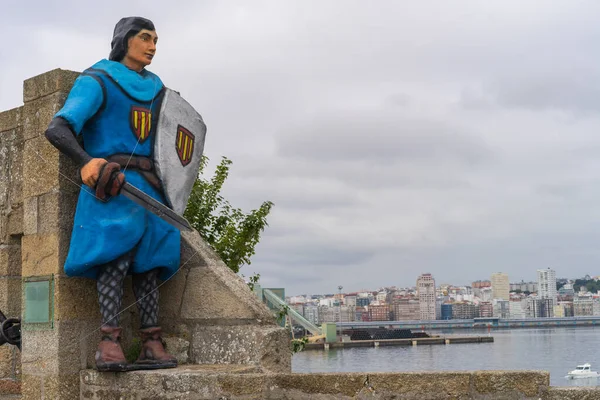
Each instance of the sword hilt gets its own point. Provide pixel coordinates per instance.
(110, 181)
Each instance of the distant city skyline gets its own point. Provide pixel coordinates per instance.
(534, 279)
(426, 301)
(526, 276)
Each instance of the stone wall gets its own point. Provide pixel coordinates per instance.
(214, 308)
(208, 383)
(11, 231)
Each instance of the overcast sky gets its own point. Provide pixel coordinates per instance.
(459, 138)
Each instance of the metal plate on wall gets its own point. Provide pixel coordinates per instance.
(39, 302)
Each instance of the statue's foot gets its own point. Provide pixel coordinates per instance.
(153, 354)
(109, 356)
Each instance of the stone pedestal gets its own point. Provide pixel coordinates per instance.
(207, 311)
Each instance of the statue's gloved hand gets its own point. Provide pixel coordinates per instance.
(110, 181)
(90, 172)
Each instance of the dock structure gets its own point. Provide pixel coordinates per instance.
(400, 342)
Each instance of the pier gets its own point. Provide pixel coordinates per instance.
(400, 342)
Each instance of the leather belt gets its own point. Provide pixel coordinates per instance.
(144, 165)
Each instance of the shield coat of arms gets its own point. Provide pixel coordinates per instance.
(178, 147)
(185, 145)
(141, 122)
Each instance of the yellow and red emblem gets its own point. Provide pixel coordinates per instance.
(141, 122)
(185, 145)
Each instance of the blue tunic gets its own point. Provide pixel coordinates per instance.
(115, 108)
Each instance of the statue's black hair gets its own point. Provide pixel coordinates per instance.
(126, 28)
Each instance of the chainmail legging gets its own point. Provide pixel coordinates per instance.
(110, 292)
(145, 288)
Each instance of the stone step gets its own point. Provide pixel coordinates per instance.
(207, 381)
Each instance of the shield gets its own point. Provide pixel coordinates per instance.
(141, 122)
(178, 148)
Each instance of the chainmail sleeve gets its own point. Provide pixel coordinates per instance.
(60, 134)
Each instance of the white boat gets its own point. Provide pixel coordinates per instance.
(583, 371)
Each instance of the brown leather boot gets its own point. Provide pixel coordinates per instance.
(153, 354)
(109, 356)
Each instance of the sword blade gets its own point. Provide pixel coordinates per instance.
(155, 207)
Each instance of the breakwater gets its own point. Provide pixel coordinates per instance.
(400, 342)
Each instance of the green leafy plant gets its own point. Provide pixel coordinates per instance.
(282, 314)
(299, 344)
(231, 232)
(253, 280)
(132, 352)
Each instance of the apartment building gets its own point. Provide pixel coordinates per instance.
(427, 297)
(547, 284)
(500, 286)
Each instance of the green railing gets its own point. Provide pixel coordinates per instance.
(306, 324)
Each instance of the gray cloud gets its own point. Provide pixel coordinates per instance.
(381, 138)
(572, 91)
(294, 255)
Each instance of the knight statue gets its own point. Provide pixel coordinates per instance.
(134, 139)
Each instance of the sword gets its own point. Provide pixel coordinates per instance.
(112, 183)
(155, 207)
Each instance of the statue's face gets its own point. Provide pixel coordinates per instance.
(141, 48)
